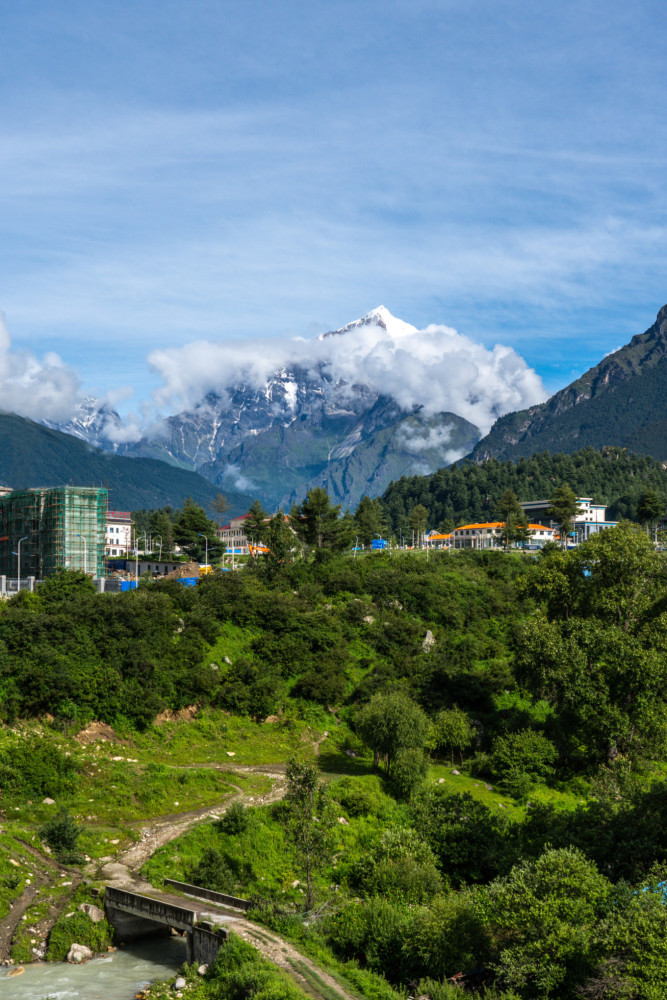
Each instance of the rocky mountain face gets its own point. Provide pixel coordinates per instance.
(299, 429)
(621, 401)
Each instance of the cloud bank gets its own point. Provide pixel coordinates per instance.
(436, 368)
(42, 389)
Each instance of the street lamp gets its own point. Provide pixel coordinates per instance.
(85, 553)
(136, 556)
(160, 537)
(206, 540)
(18, 568)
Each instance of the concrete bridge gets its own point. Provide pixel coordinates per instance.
(134, 915)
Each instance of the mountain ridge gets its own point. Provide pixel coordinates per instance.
(616, 402)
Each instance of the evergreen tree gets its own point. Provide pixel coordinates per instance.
(220, 505)
(316, 520)
(510, 513)
(417, 521)
(254, 526)
(563, 509)
(191, 525)
(650, 510)
(369, 520)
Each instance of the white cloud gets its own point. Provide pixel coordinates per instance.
(436, 368)
(40, 389)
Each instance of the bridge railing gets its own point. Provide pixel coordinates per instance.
(151, 909)
(215, 897)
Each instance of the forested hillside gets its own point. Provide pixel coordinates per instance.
(468, 492)
(474, 751)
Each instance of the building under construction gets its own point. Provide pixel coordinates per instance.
(59, 528)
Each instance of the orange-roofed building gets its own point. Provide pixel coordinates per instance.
(485, 535)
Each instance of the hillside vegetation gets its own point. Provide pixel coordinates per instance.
(475, 750)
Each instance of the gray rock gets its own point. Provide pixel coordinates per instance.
(79, 953)
(228, 661)
(489, 788)
(441, 781)
(454, 771)
(343, 821)
(202, 970)
(48, 802)
(93, 912)
(180, 983)
(429, 641)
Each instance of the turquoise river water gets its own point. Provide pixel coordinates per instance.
(117, 976)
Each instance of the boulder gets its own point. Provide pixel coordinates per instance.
(429, 640)
(48, 802)
(454, 771)
(202, 970)
(180, 983)
(93, 912)
(79, 953)
(345, 822)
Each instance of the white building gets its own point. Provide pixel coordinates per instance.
(485, 535)
(118, 540)
(233, 536)
(591, 517)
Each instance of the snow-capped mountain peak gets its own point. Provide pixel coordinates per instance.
(381, 317)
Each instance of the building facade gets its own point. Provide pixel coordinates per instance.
(118, 541)
(485, 535)
(51, 529)
(590, 519)
(233, 536)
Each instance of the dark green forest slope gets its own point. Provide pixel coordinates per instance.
(33, 455)
(620, 401)
(468, 491)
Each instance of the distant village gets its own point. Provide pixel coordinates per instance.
(72, 527)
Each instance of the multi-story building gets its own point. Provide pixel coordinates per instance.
(233, 536)
(485, 535)
(118, 540)
(51, 529)
(590, 518)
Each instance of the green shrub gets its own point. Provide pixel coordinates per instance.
(519, 758)
(399, 866)
(409, 770)
(235, 820)
(212, 871)
(78, 928)
(34, 767)
(62, 835)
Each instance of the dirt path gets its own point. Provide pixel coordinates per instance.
(286, 957)
(123, 870)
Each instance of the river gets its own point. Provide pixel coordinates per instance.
(117, 976)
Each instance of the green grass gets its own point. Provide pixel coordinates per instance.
(495, 799)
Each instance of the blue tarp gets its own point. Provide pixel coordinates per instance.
(379, 543)
(189, 581)
(128, 584)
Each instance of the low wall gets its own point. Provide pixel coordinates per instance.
(206, 943)
(147, 908)
(216, 897)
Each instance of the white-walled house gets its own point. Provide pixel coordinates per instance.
(118, 541)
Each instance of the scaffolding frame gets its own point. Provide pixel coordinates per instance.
(60, 527)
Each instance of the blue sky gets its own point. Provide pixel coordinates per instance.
(172, 172)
